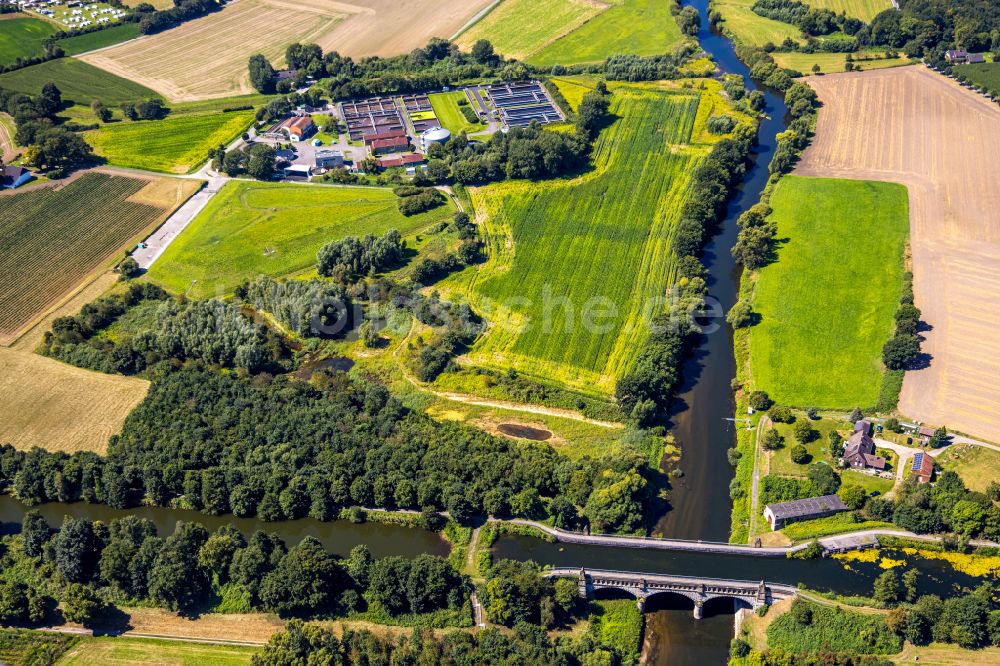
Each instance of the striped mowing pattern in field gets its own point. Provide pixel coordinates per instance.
(600, 242)
(50, 240)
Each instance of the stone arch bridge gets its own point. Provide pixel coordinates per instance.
(699, 590)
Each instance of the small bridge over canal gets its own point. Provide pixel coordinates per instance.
(698, 590)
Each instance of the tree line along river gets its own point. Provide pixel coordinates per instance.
(700, 505)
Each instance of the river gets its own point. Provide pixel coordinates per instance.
(700, 499)
(700, 504)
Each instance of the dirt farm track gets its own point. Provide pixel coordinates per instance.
(207, 58)
(914, 126)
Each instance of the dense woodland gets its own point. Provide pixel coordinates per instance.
(278, 448)
(89, 566)
(927, 28)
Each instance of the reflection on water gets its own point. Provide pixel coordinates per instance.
(674, 637)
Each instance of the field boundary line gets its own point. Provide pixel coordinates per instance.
(496, 404)
(483, 13)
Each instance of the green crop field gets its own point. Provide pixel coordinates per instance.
(252, 228)
(106, 651)
(986, 75)
(522, 28)
(572, 246)
(450, 115)
(574, 88)
(22, 38)
(750, 28)
(862, 9)
(100, 39)
(50, 240)
(79, 82)
(831, 63)
(827, 303)
(177, 144)
(639, 27)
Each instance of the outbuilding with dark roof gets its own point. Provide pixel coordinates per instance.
(780, 514)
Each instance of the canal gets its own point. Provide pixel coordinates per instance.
(700, 505)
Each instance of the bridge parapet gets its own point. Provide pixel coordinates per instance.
(698, 590)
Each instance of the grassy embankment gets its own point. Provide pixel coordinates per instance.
(826, 304)
(555, 243)
(22, 38)
(253, 228)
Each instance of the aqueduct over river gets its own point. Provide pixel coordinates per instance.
(698, 590)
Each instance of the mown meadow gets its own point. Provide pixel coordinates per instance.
(522, 28)
(250, 228)
(22, 38)
(176, 144)
(826, 304)
(587, 248)
(750, 28)
(100, 39)
(78, 82)
(637, 27)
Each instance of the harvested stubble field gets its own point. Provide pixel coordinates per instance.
(559, 247)
(59, 407)
(275, 229)
(913, 126)
(52, 239)
(207, 57)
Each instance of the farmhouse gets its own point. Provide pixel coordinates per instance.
(297, 127)
(780, 514)
(922, 468)
(962, 57)
(860, 450)
(14, 176)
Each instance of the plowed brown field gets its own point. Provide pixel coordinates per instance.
(207, 58)
(913, 126)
